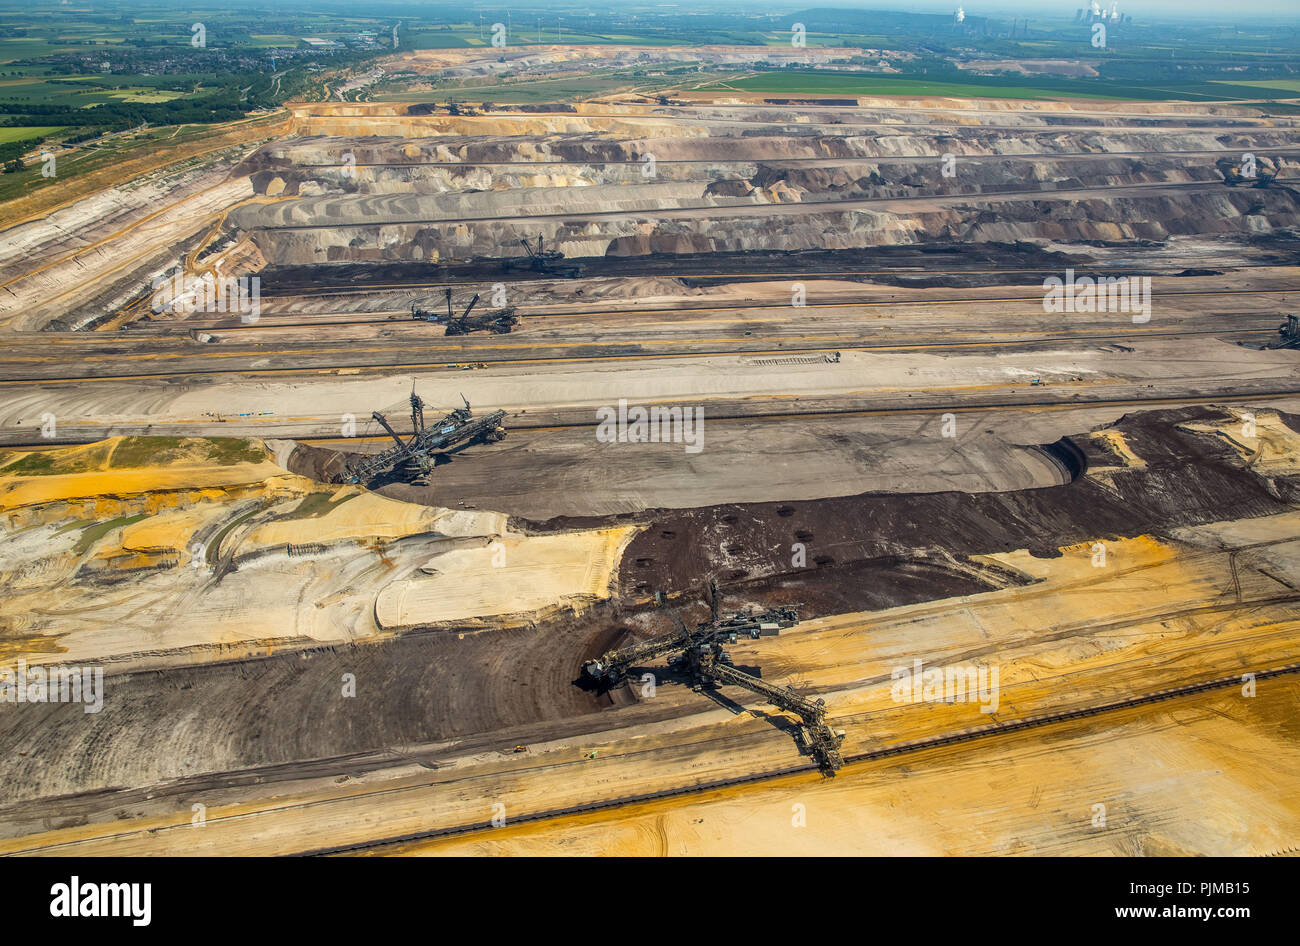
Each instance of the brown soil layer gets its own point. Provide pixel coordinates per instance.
(1024, 263)
(1188, 479)
(877, 261)
(497, 687)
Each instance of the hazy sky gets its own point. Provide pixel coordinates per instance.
(1223, 10)
(1217, 10)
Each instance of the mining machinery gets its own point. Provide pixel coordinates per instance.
(425, 315)
(710, 667)
(1266, 171)
(499, 322)
(411, 459)
(699, 655)
(1288, 333)
(547, 262)
(609, 669)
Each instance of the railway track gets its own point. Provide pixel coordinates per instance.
(901, 749)
(133, 309)
(1266, 322)
(472, 353)
(826, 162)
(386, 320)
(752, 209)
(858, 412)
(534, 426)
(352, 288)
(917, 745)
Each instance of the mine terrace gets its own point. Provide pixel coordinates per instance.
(364, 562)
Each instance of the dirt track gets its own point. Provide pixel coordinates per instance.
(230, 612)
(490, 689)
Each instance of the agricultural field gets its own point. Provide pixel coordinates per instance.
(1256, 85)
(797, 82)
(588, 86)
(22, 132)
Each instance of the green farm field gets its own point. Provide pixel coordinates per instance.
(1039, 87)
(27, 131)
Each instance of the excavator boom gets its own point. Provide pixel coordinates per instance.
(611, 667)
(458, 427)
(821, 741)
(383, 421)
(700, 655)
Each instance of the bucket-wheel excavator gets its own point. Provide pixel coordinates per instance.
(699, 655)
(499, 322)
(414, 458)
(547, 262)
(1288, 333)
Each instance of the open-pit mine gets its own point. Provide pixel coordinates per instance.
(621, 475)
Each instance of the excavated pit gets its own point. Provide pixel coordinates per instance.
(703, 182)
(838, 515)
(281, 715)
(879, 264)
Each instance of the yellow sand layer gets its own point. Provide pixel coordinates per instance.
(1212, 774)
(21, 491)
(1267, 444)
(226, 550)
(363, 516)
(1119, 445)
(169, 530)
(506, 575)
(114, 467)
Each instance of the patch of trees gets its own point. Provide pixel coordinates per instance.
(11, 153)
(221, 106)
